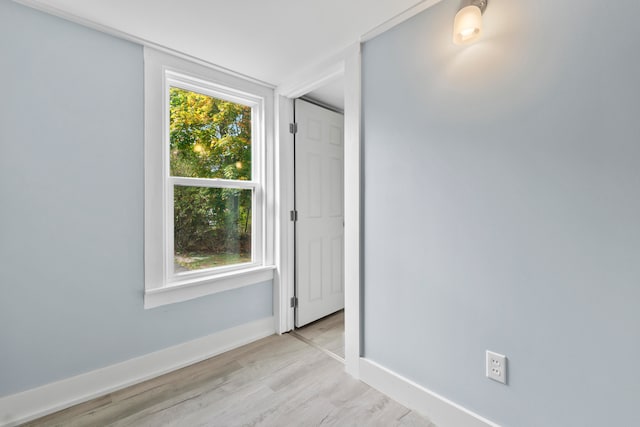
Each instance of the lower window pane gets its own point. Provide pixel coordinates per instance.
(212, 227)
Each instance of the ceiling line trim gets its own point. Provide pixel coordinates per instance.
(135, 39)
(398, 19)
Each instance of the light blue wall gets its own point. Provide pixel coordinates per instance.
(502, 209)
(71, 216)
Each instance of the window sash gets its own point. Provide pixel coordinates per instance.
(190, 83)
(256, 249)
(214, 183)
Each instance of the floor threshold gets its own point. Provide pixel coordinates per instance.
(316, 346)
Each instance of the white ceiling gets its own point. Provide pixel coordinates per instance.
(270, 40)
(331, 94)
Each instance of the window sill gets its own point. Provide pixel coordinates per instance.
(196, 288)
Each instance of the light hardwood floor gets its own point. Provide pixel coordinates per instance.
(326, 333)
(277, 381)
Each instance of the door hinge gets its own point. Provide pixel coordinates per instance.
(293, 128)
(294, 302)
(293, 215)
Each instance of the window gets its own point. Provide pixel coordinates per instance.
(206, 181)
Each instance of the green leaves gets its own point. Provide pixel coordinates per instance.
(210, 138)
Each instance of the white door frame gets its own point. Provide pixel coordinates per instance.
(346, 63)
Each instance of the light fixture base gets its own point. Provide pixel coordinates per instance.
(480, 4)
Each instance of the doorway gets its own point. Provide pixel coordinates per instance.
(319, 218)
(344, 67)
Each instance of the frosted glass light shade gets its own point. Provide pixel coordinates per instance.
(467, 26)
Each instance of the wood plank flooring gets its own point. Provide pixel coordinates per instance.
(276, 381)
(326, 333)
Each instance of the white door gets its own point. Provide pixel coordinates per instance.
(319, 189)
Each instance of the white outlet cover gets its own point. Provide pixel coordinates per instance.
(497, 367)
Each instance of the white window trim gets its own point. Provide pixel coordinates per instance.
(162, 286)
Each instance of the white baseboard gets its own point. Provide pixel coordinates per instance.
(31, 404)
(441, 411)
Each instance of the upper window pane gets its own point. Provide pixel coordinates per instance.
(209, 137)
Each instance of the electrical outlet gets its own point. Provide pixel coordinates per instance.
(497, 367)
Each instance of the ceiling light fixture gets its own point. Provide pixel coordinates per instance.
(467, 26)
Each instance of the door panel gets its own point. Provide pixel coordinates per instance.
(314, 275)
(314, 179)
(337, 265)
(319, 157)
(336, 184)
